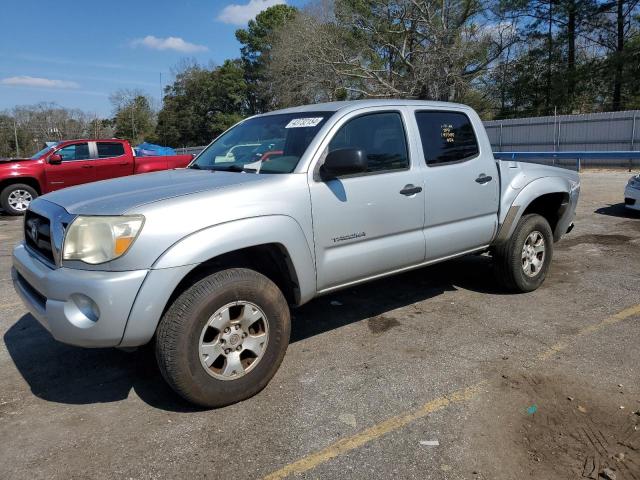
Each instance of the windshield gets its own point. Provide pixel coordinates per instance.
(42, 152)
(268, 144)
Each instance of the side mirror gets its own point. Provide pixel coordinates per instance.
(55, 159)
(344, 161)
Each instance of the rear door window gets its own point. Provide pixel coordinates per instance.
(382, 138)
(110, 149)
(77, 151)
(447, 137)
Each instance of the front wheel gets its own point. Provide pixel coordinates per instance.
(522, 262)
(15, 198)
(223, 339)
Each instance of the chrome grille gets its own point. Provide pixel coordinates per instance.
(37, 234)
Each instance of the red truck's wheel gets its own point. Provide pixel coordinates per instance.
(15, 198)
(223, 339)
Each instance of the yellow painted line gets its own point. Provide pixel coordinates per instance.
(612, 320)
(350, 443)
(394, 423)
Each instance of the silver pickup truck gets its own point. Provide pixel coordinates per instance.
(283, 207)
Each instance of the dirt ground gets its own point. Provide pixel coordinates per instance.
(433, 374)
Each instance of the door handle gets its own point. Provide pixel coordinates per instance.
(409, 190)
(124, 163)
(482, 178)
(87, 166)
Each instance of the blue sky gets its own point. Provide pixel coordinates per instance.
(77, 53)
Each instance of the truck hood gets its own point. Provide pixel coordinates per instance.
(117, 196)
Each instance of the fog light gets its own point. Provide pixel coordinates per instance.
(81, 310)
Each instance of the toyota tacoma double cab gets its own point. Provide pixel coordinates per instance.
(73, 162)
(206, 261)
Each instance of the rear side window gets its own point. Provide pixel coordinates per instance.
(107, 149)
(446, 137)
(380, 135)
(77, 151)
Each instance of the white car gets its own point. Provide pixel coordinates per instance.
(632, 193)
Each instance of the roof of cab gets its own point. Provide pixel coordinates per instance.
(356, 104)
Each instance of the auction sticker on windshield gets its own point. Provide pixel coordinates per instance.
(304, 122)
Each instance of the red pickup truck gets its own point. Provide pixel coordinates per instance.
(73, 162)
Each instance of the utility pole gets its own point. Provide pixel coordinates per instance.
(15, 135)
(133, 124)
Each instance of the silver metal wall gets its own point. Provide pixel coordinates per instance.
(594, 131)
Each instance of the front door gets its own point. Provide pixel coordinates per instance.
(461, 184)
(370, 223)
(76, 167)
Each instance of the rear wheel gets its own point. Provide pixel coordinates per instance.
(224, 338)
(15, 198)
(523, 261)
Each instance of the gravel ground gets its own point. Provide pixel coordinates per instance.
(510, 386)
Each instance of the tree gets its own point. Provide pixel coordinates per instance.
(134, 118)
(25, 129)
(430, 49)
(619, 22)
(257, 41)
(201, 103)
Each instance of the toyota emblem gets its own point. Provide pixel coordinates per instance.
(33, 232)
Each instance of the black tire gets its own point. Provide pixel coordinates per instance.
(178, 337)
(508, 260)
(8, 190)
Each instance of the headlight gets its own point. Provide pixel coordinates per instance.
(100, 239)
(634, 182)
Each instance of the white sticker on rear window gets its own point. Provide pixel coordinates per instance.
(304, 122)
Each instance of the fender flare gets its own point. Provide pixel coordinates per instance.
(187, 253)
(532, 191)
(27, 179)
(217, 240)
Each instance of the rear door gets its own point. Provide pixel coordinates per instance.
(461, 184)
(76, 167)
(112, 160)
(370, 223)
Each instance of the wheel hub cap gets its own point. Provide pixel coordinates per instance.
(19, 200)
(233, 340)
(533, 254)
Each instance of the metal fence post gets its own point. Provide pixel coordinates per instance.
(558, 140)
(578, 165)
(633, 139)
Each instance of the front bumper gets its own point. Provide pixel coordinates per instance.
(632, 198)
(87, 308)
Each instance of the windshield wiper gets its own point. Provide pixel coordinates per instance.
(226, 168)
(234, 168)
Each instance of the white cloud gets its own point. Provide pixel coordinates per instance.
(170, 43)
(237, 14)
(26, 81)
